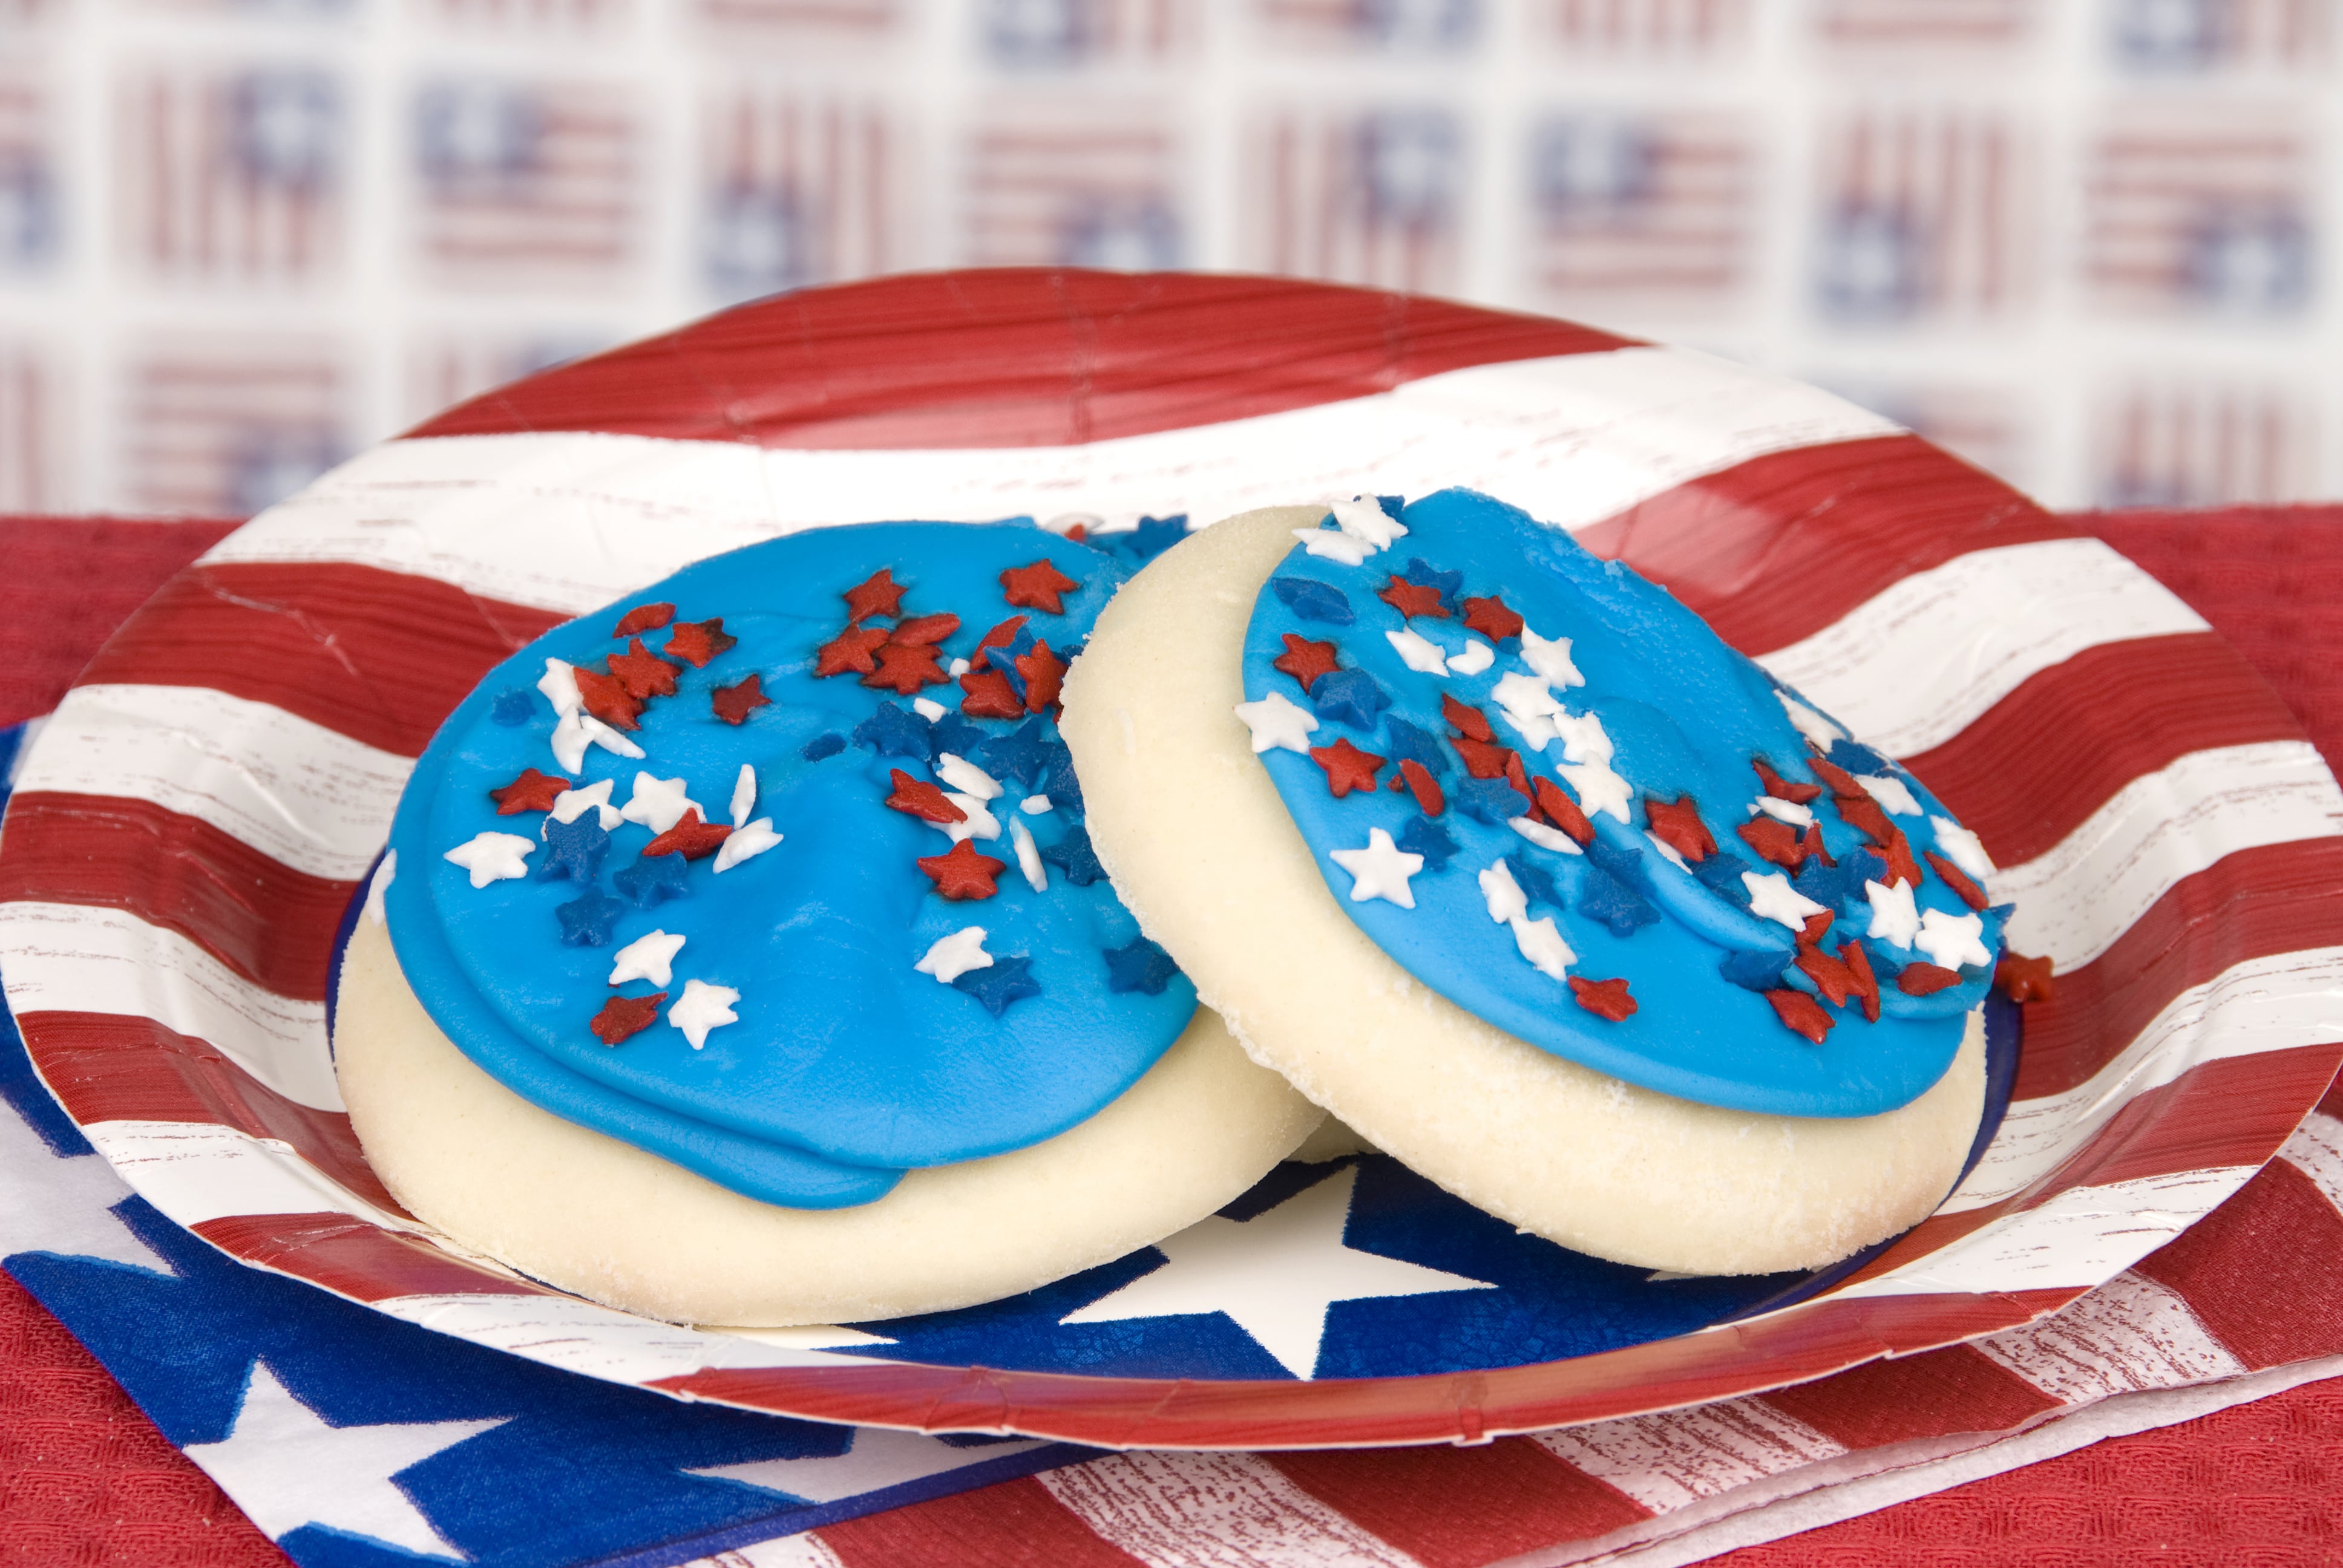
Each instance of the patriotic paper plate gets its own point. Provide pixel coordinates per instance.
(189, 833)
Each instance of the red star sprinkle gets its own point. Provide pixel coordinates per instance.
(1866, 984)
(1305, 661)
(1677, 825)
(1466, 720)
(1413, 599)
(643, 617)
(607, 699)
(1781, 789)
(850, 650)
(2022, 979)
(903, 668)
(643, 674)
(922, 799)
(1347, 768)
(1841, 781)
(1491, 619)
(1604, 998)
(1810, 843)
(1421, 784)
(1481, 760)
(623, 1017)
(1774, 841)
(1037, 586)
(987, 694)
(1077, 533)
(879, 594)
(1863, 813)
(532, 792)
(1562, 810)
(1971, 894)
(1831, 977)
(1801, 1012)
(1043, 673)
(1817, 926)
(699, 640)
(1000, 636)
(925, 629)
(1925, 980)
(963, 874)
(1901, 867)
(733, 704)
(690, 837)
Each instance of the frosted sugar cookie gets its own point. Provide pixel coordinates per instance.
(1498, 853)
(741, 956)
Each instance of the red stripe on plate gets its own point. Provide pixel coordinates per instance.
(266, 921)
(1462, 1508)
(109, 1067)
(1010, 1524)
(1933, 1395)
(2017, 780)
(1773, 550)
(2234, 1111)
(1012, 358)
(352, 1258)
(380, 656)
(2222, 1264)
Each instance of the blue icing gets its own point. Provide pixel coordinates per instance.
(515, 706)
(1685, 716)
(1142, 543)
(845, 1065)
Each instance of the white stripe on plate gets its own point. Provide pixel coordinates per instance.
(195, 1171)
(2317, 1150)
(1192, 1510)
(2274, 1003)
(2131, 1333)
(805, 1549)
(298, 792)
(1916, 664)
(2075, 899)
(1677, 1458)
(570, 520)
(69, 958)
(595, 1341)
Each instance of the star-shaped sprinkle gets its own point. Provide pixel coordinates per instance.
(2021, 979)
(948, 958)
(577, 731)
(987, 694)
(1830, 886)
(573, 849)
(1139, 965)
(1963, 848)
(963, 873)
(1368, 520)
(1771, 898)
(1501, 893)
(1428, 840)
(572, 804)
(1544, 837)
(1611, 903)
(967, 778)
(1351, 697)
(925, 629)
(1466, 720)
(1483, 760)
(1151, 538)
(698, 641)
(854, 650)
(1816, 928)
(877, 595)
(1020, 755)
(1925, 980)
(1955, 942)
(1429, 800)
(690, 837)
(1898, 852)
(1029, 856)
(1006, 635)
(1074, 858)
(1842, 782)
(644, 674)
(1550, 660)
(1775, 841)
(1347, 768)
(1305, 661)
(1606, 999)
(1584, 739)
(532, 792)
(1277, 724)
(1891, 792)
(1421, 574)
(744, 794)
(624, 1017)
(1800, 1013)
(1412, 598)
(829, 743)
(1857, 961)
(918, 797)
(999, 983)
(1760, 970)
(1831, 976)
(891, 732)
(607, 699)
(646, 882)
(1334, 545)
(1820, 732)
(701, 1008)
(493, 857)
(733, 704)
(585, 920)
(1540, 942)
(1409, 743)
(1310, 599)
(1598, 789)
(1667, 851)
(1477, 657)
(1720, 874)
(1043, 673)
(1059, 782)
(977, 821)
(1418, 652)
(1677, 823)
(1895, 919)
(1491, 619)
(513, 709)
(1491, 801)
(747, 841)
(1780, 787)
(1381, 870)
(1038, 584)
(1036, 806)
(643, 617)
(650, 958)
(903, 668)
(1563, 812)
(560, 684)
(1788, 812)
(953, 731)
(657, 804)
(1970, 893)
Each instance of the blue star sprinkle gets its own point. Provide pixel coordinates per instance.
(1490, 800)
(1830, 886)
(892, 732)
(586, 922)
(1310, 599)
(1756, 971)
(1420, 573)
(1073, 858)
(1151, 538)
(998, 983)
(956, 734)
(1721, 875)
(1022, 755)
(1350, 696)
(829, 743)
(1139, 966)
(1608, 901)
(1058, 780)
(573, 849)
(514, 708)
(1407, 743)
(1536, 883)
(1424, 837)
(1859, 759)
(651, 879)
(1392, 505)
(1004, 660)
(1627, 865)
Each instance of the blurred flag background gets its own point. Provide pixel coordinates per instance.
(2083, 243)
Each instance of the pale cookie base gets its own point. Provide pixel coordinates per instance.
(1186, 821)
(583, 1211)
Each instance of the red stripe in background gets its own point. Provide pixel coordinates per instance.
(1773, 550)
(380, 656)
(1011, 1524)
(264, 920)
(1013, 356)
(2224, 1265)
(1461, 1507)
(1936, 1395)
(352, 1258)
(2236, 1111)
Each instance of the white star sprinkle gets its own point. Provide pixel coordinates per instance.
(1890, 792)
(1417, 651)
(1029, 857)
(572, 804)
(1550, 659)
(1817, 729)
(967, 778)
(1962, 848)
(1667, 851)
(493, 857)
(650, 958)
(578, 730)
(1953, 941)
(702, 1007)
(1535, 729)
(1334, 545)
(929, 708)
(1583, 739)
(959, 667)
(1544, 837)
(745, 843)
(379, 886)
(1037, 805)
(953, 956)
(1363, 519)
(1539, 943)
(744, 795)
(1894, 917)
(977, 821)
(1782, 810)
(560, 684)
(1524, 694)
(1505, 896)
(1380, 871)
(1599, 789)
(1771, 898)
(1276, 722)
(1477, 657)
(659, 804)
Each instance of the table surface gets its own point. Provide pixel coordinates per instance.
(86, 1479)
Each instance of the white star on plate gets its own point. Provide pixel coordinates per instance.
(1334, 545)
(1771, 898)
(1891, 793)
(1820, 731)
(560, 684)
(878, 1458)
(744, 795)
(572, 804)
(1551, 659)
(967, 778)
(948, 958)
(650, 958)
(1544, 837)
(1962, 848)
(1275, 1275)
(493, 857)
(1782, 810)
(580, 729)
(1953, 941)
(703, 1007)
(1599, 789)
(929, 708)
(1380, 871)
(1503, 896)
(1277, 722)
(1894, 917)
(1029, 856)
(379, 886)
(977, 821)
(1583, 739)
(1477, 657)
(1363, 519)
(286, 1468)
(659, 804)
(745, 843)
(1542, 944)
(1417, 651)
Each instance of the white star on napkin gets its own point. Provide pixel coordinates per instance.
(650, 958)
(1277, 722)
(703, 1007)
(493, 857)
(1380, 871)
(659, 804)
